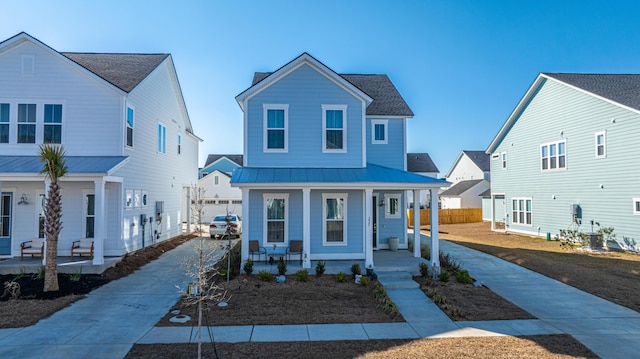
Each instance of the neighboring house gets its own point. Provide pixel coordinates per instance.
(325, 163)
(421, 163)
(470, 176)
(571, 144)
(129, 145)
(219, 196)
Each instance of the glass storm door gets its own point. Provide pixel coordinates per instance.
(5, 223)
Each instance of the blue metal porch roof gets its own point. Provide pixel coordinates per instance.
(373, 174)
(75, 164)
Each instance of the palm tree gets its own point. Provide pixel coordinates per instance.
(54, 168)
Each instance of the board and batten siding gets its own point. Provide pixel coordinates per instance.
(92, 115)
(392, 154)
(304, 90)
(603, 187)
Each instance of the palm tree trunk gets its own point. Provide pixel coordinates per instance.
(53, 225)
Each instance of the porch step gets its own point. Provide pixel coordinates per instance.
(397, 280)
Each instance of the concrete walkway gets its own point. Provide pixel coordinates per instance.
(122, 313)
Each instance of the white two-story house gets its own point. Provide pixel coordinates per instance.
(325, 163)
(130, 147)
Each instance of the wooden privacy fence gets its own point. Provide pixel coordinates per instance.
(448, 216)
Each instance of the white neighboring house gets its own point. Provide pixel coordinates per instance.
(219, 196)
(470, 175)
(130, 146)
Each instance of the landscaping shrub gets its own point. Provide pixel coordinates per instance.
(320, 268)
(364, 280)
(462, 276)
(355, 269)
(236, 262)
(302, 275)
(248, 266)
(282, 267)
(447, 261)
(444, 276)
(424, 269)
(264, 275)
(341, 277)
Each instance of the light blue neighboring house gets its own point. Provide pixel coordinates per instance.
(325, 163)
(220, 162)
(566, 158)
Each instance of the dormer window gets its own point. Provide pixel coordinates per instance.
(334, 128)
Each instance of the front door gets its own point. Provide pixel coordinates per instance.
(375, 222)
(5, 223)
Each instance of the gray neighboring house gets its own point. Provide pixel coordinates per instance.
(565, 157)
(421, 163)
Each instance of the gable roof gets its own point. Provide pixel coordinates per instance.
(238, 159)
(619, 89)
(124, 71)
(479, 158)
(421, 162)
(383, 97)
(460, 187)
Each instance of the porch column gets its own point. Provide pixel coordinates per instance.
(47, 183)
(416, 223)
(245, 231)
(99, 222)
(188, 210)
(368, 230)
(306, 228)
(435, 244)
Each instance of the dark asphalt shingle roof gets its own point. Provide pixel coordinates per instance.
(125, 71)
(387, 101)
(460, 188)
(420, 162)
(486, 193)
(621, 88)
(480, 158)
(214, 157)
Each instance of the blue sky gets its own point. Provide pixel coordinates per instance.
(462, 66)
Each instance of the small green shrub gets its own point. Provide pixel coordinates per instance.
(341, 277)
(248, 266)
(456, 312)
(410, 246)
(302, 275)
(282, 267)
(439, 299)
(264, 275)
(462, 276)
(424, 269)
(320, 268)
(364, 280)
(355, 269)
(444, 276)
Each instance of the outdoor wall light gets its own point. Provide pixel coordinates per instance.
(23, 199)
(613, 120)
(601, 186)
(553, 196)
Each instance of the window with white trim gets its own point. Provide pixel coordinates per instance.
(41, 206)
(52, 124)
(553, 155)
(90, 214)
(130, 119)
(521, 210)
(601, 144)
(379, 132)
(4, 122)
(503, 159)
(276, 119)
(334, 209)
(179, 143)
(275, 217)
(216, 180)
(334, 129)
(636, 206)
(392, 202)
(162, 138)
(27, 123)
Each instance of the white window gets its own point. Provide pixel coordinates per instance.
(41, 206)
(553, 156)
(27, 123)
(162, 138)
(90, 205)
(503, 159)
(128, 199)
(52, 124)
(636, 206)
(275, 217)
(392, 204)
(334, 128)
(4, 123)
(179, 143)
(130, 118)
(379, 132)
(276, 119)
(521, 211)
(334, 209)
(601, 144)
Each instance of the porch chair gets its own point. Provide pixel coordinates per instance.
(82, 246)
(295, 247)
(254, 248)
(33, 247)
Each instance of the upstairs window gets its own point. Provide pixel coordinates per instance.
(601, 144)
(334, 128)
(130, 115)
(503, 159)
(179, 143)
(379, 132)
(275, 130)
(162, 138)
(27, 123)
(636, 206)
(52, 124)
(4, 123)
(553, 156)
